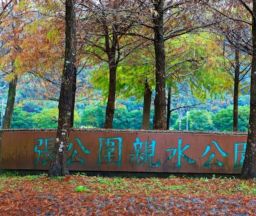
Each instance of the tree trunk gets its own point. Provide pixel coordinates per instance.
(249, 166)
(160, 98)
(110, 109)
(146, 106)
(10, 103)
(236, 91)
(169, 102)
(66, 100)
(73, 103)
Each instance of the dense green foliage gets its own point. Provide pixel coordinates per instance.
(223, 120)
(46, 118)
(21, 118)
(130, 117)
(201, 120)
(195, 59)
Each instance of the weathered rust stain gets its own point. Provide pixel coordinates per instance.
(131, 151)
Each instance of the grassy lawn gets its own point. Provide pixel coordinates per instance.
(83, 195)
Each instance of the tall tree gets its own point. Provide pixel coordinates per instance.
(161, 20)
(107, 23)
(238, 65)
(160, 98)
(46, 29)
(12, 28)
(242, 13)
(146, 106)
(232, 35)
(236, 90)
(249, 167)
(66, 100)
(169, 101)
(192, 58)
(10, 103)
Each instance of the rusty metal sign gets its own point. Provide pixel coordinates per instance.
(130, 151)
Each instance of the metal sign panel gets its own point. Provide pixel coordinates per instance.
(130, 151)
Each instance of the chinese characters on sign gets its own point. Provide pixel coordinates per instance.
(179, 153)
(110, 151)
(44, 155)
(142, 153)
(212, 160)
(41, 149)
(75, 157)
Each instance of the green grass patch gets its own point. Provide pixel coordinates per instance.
(110, 182)
(81, 188)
